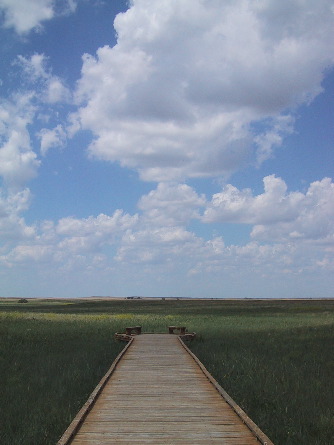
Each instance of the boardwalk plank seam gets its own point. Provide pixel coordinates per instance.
(82, 414)
(241, 413)
(151, 408)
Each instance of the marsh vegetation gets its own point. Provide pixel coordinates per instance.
(275, 358)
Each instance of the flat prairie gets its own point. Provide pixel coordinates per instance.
(273, 357)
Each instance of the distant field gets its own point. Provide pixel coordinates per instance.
(275, 358)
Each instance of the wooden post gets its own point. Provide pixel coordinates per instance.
(181, 330)
(133, 330)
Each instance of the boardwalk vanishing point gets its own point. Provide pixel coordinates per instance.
(157, 392)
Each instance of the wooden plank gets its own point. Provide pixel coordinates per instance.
(252, 426)
(80, 417)
(159, 394)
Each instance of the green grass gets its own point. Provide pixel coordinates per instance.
(281, 378)
(48, 367)
(273, 357)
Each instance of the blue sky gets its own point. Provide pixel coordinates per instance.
(174, 147)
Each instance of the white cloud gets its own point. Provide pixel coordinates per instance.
(273, 206)
(171, 205)
(193, 88)
(71, 242)
(278, 215)
(12, 225)
(312, 220)
(273, 137)
(52, 138)
(56, 91)
(292, 237)
(26, 253)
(92, 234)
(27, 15)
(18, 161)
(102, 224)
(51, 89)
(157, 246)
(178, 94)
(35, 67)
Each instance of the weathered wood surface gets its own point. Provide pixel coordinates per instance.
(177, 329)
(133, 330)
(159, 395)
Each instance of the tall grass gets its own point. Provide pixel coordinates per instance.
(273, 357)
(48, 368)
(281, 378)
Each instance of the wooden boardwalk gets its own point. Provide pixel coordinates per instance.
(158, 394)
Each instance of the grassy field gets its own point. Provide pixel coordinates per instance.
(275, 358)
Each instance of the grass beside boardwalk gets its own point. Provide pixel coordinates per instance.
(274, 358)
(48, 366)
(281, 375)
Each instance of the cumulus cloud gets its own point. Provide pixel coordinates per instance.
(178, 95)
(52, 138)
(51, 89)
(312, 220)
(292, 235)
(27, 253)
(278, 215)
(25, 16)
(28, 15)
(101, 224)
(156, 246)
(18, 161)
(71, 241)
(91, 234)
(12, 225)
(272, 138)
(171, 205)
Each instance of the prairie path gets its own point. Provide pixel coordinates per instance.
(159, 393)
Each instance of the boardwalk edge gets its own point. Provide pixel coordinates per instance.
(80, 417)
(259, 434)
